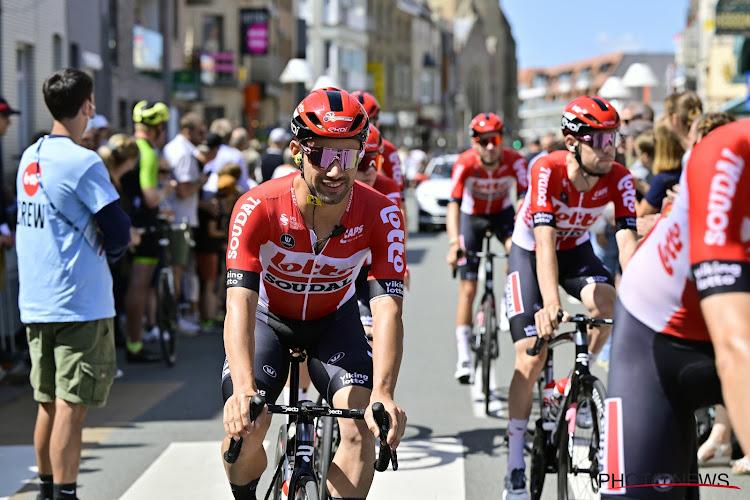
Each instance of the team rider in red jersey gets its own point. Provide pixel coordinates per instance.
(368, 172)
(296, 246)
(480, 197)
(681, 337)
(568, 191)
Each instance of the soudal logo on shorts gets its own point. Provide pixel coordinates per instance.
(287, 240)
(29, 179)
(269, 370)
(336, 358)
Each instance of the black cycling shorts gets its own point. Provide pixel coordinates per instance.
(363, 296)
(338, 354)
(656, 382)
(472, 229)
(149, 246)
(577, 268)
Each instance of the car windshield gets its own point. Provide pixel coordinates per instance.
(442, 170)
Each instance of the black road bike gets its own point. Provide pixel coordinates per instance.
(166, 302)
(569, 444)
(302, 461)
(484, 338)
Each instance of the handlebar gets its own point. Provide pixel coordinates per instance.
(460, 252)
(582, 321)
(385, 454)
(257, 403)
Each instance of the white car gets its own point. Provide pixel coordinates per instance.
(434, 193)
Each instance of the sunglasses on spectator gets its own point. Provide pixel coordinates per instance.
(323, 157)
(370, 160)
(600, 139)
(495, 140)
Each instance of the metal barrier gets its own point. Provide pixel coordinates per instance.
(10, 317)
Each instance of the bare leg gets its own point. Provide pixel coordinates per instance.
(599, 299)
(65, 442)
(351, 472)
(45, 418)
(252, 460)
(135, 299)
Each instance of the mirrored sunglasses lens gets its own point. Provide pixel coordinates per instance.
(347, 158)
(495, 140)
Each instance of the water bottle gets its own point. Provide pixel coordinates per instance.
(548, 419)
(562, 387)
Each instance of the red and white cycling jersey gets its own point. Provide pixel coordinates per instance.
(483, 192)
(553, 201)
(656, 287)
(392, 164)
(388, 187)
(269, 241)
(719, 208)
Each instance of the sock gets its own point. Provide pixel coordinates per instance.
(463, 336)
(133, 347)
(246, 492)
(64, 491)
(45, 486)
(516, 436)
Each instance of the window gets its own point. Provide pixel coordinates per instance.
(26, 93)
(540, 80)
(213, 30)
(605, 67)
(112, 32)
(57, 52)
(75, 56)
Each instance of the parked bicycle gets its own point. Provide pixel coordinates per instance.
(567, 442)
(166, 302)
(484, 338)
(303, 461)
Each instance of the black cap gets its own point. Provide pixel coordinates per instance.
(5, 108)
(213, 140)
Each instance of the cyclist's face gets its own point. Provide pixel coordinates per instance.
(331, 184)
(488, 146)
(597, 159)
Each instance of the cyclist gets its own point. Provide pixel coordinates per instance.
(482, 179)
(368, 172)
(568, 191)
(140, 187)
(682, 336)
(296, 245)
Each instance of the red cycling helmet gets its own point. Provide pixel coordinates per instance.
(486, 122)
(330, 112)
(374, 141)
(368, 101)
(586, 114)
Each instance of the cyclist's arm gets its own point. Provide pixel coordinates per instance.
(627, 241)
(387, 348)
(451, 223)
(239, 338)
(546, 264)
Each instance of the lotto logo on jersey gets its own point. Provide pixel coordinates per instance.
(490, 188)
(390, 215)
(626, 186)
(575, 217)
(302, 266)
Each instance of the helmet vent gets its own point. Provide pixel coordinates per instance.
(593, 118)
(334, 98)
(357, 120)
(601, 104)
(315, 120)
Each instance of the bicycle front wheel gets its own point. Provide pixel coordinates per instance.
(166, 318)
(490, 336)
(324, 446)
(307, 489)
(578, 460)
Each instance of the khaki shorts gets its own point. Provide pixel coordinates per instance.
(180, 243)
(72, 361)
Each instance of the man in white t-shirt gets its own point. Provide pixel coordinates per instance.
(181, 154)
(226, 154)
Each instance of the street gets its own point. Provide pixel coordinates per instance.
(158, 437)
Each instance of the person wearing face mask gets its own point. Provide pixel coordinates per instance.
(568, 192)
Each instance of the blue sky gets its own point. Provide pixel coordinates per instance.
(550, 32)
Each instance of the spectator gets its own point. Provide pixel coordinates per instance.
(226, 154)
(65, 293)
(644, 161)
(278, 140)
(667, 168)
(636, 110)
(239, 140)
(6, 236)
(120, 155)
(687, 107)
(141, 187)
(534, 147)
(628, 135)
(182, 155)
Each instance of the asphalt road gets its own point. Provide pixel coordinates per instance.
(159, 435)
